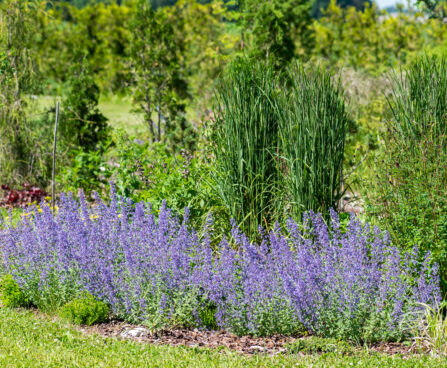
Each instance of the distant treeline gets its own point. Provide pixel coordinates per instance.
(316, 6)
(155, 3)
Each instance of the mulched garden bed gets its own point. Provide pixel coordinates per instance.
(192, 338)
(217, 339)
(220, 340)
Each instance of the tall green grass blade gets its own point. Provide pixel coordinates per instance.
(419, 99)
(312, 140)
(246, 143)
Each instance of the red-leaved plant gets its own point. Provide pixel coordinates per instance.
(22, 197)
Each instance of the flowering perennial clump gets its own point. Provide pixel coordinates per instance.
(155, 270)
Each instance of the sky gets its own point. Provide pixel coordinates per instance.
(385, 3)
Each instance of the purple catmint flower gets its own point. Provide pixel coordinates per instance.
(155, 269)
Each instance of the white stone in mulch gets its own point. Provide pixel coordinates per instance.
(257, 348)
(135, 332)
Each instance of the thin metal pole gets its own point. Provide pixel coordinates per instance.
(53, 184)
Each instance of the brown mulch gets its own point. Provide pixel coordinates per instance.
(195, 338)
(218, 339)
(392, 348)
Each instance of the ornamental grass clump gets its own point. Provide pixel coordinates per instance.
(312, 132)
(409, 195)
(155, 270)
(246, 134)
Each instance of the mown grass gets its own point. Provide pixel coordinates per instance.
(117, 109)
(27, 340)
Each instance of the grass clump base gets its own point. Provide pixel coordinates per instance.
(316, 344)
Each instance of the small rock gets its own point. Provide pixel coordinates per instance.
(257, 347)
(135, 332)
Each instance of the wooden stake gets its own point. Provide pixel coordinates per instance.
(53, 184)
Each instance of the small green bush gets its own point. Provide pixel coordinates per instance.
(315, 345)
(84, 171)
(85, 310)
(151, 173)
(10, 294)
(208, 316)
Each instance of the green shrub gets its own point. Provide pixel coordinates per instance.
(207, 314)
(316, 344)
(85, 310)
(85, 172)
(410, 196)
(10, 294)
(152, 173)
(149, 172)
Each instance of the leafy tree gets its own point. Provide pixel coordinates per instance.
(83, 3)
(434, 8)
(318, 6)
(83, 125)
(369, 40)
(98, 29)
(159, 89)
(160, 3)
(207, 33)
(271, 27)
(18, 77)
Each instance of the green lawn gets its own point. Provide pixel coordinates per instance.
(27, 340)
(117, 109)
(119, 112)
